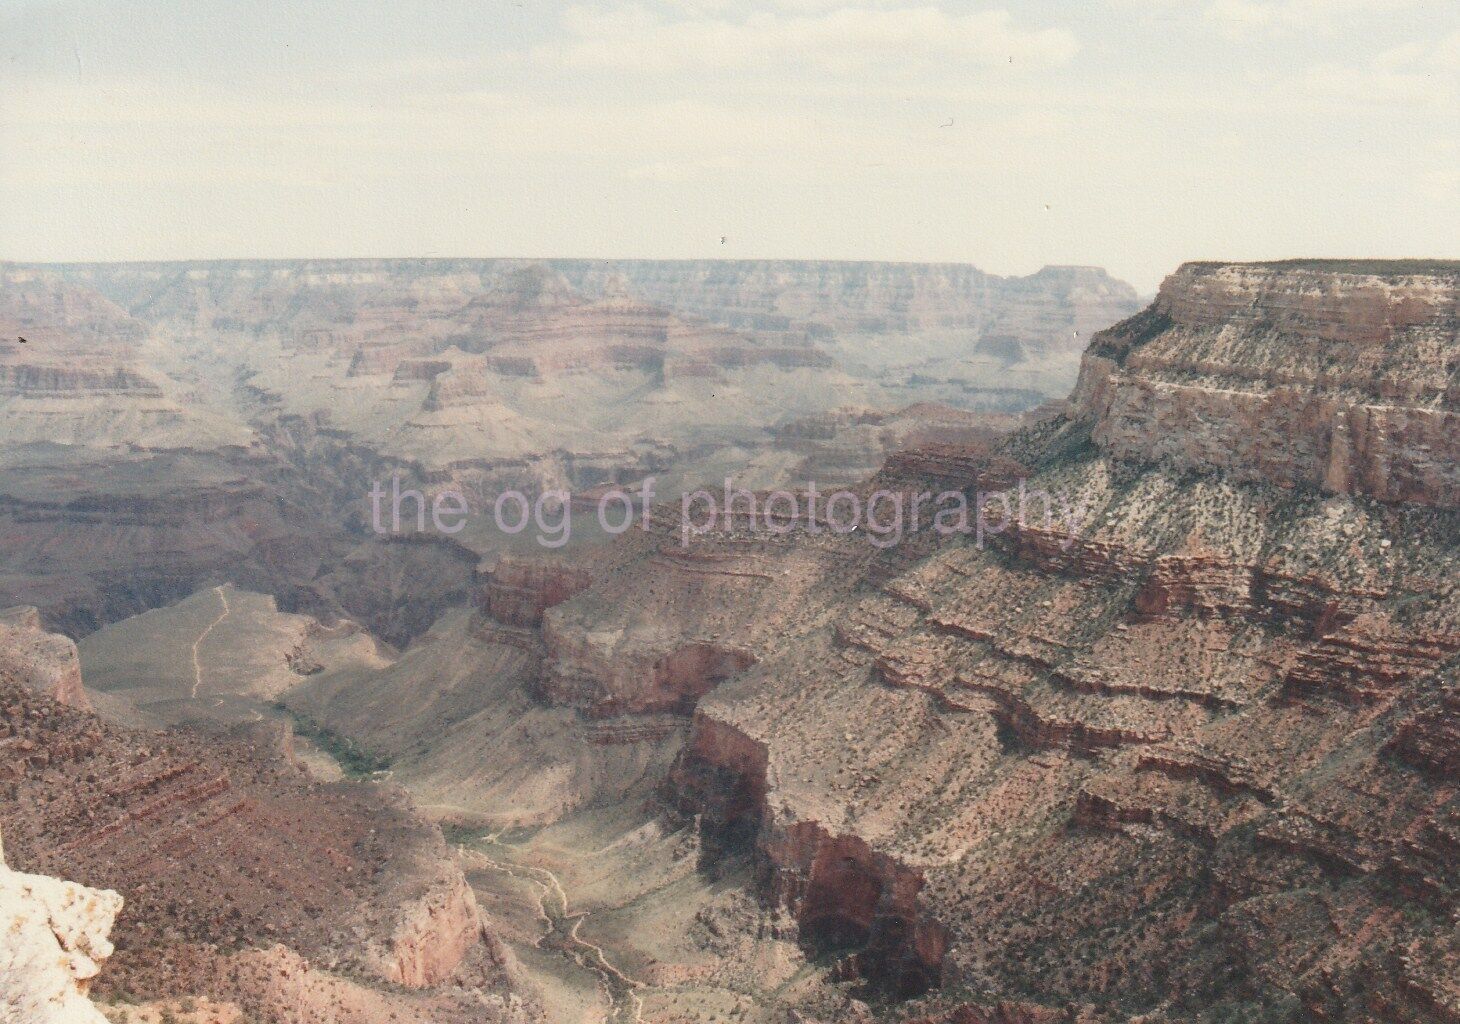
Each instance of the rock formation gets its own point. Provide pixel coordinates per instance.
(55, 942)
(46, 662)
(223, 849)
(1182, 754)
(1175, 745)
(1049, 313)
(170, 427)
(1297, 374)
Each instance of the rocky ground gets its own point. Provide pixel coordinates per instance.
(1182, 751)
(55, 943)
(244, 880)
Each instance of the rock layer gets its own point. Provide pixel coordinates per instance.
(1332, 376)
(173, 426)
(46, 662)
(1096, 772)
(221, 845)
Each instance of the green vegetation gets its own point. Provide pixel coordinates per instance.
(354, 760)
(462, 835)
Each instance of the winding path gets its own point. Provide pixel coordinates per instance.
(197, 666)
(564, 925)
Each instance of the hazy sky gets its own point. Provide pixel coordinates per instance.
(1133, 134)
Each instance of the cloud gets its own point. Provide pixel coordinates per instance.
(204, 137)
(1245, 17)
(1439, 185)
(633, 38)
(677, 172)
(1415, 73)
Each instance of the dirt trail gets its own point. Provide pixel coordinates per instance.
(626, 1007)
(197, 666)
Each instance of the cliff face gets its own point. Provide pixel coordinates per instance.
(80, 377)
(45, 662)
(1295, 374)
(1097, 770)
(518, 591)
(1184, 751)
(658, 633)
(172, 426)
(1038, 315)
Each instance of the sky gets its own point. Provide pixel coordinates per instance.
(1010, 134)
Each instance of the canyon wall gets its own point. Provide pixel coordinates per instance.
(1041, 314)
(1184, 755)
(45, 662)
(1298, 374)
(224, 849)
(174, 426)
(1098, 767)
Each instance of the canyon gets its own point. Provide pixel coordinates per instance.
(1189, 759)
(243, 882)
(172, 426)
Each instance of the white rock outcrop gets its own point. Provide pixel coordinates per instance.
(53, 938)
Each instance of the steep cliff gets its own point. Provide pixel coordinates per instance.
(1341, 377)
(1039, 315)
(1180, 751)
(1183, 753)
(474, 682)
(45, 662)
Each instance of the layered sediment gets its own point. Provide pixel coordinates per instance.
(223, 848)
(47, 663)
(174, 426)
(1089, 767)
(1333, 377)
(1178, 750)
